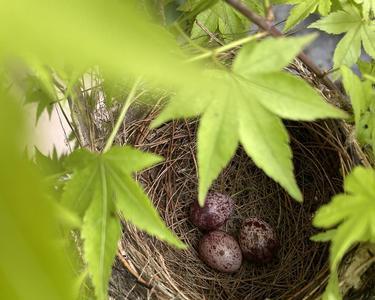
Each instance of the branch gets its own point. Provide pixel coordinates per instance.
(272, 30)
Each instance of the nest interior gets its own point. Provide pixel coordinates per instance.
(300, 269)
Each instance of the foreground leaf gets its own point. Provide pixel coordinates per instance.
(102, 187)
(100, 232)
(332, 291)
(32, 263)
(245, 107)
(39, 90)
(353, 213)
(114, 35)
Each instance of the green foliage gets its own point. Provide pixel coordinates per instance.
(220, 18)
(367, 68)
(223, 19)
(357, 31)
(247, 106)
(49, 165)
(193, 8)
(102, 186)
(362, 97)
(354, 215)
(37, 88)
(32, 265)
(303, 8)
(368, 6)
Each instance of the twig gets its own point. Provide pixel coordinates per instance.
(75, 126)
(62, 125)
(266, 26)
(132, 271)
(121, 117)
(210, 34)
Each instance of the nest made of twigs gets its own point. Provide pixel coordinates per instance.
(322, 154)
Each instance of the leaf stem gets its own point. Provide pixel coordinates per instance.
(121, 117)
(227, 47)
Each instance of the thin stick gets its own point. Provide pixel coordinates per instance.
(63, 127)
(227, 47)
(132, 271)
(263, 24)
(62, 90)
(121, 117)
(211, 35)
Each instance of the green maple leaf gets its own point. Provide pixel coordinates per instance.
(49, 164)
(368, 6)
(362, 97)
(220, 18)
(37, 90)
(367, 68)
(224, 19)
(352, 212)
(357, 31)
(303, 8)
(246, 106)
(332, 291)
(102, 186)
(29, 228)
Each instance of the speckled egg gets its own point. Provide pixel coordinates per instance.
(215, 212)
(258, 240)
(220, 251)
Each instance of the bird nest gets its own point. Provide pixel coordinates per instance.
(322, 154)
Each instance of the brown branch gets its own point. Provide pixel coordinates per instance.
(266, 26)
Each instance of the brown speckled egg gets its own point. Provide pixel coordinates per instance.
(220, 251)
(258, 240)
(215, 212)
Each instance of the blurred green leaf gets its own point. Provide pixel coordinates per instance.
(99, 189)
(39, 91)
(115, 35)
(246, 107)
(32, 265)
